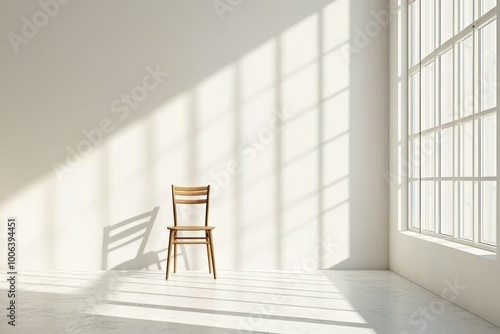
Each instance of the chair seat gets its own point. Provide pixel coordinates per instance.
(191, 228)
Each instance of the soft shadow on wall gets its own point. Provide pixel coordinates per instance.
(120, 241)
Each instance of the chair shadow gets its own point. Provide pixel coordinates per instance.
(124, 234)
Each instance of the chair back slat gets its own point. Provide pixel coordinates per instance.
(190, 201)
(190, 192)
(190, 188)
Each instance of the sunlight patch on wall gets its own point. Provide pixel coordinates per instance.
(126, 171)
(213, 119)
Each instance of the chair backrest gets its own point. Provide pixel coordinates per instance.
(190, 195)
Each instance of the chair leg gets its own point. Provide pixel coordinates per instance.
(175, 253)
(168, 253)
(212, 253)
(208, 253)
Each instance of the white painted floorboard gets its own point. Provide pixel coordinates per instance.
(237, 302)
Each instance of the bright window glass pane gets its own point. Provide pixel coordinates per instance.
(446, 20)
(414, 204)
(446, 205)
(414, 103)
(465, 209)
(414, 157)
(428, 155)
(465, 12)
(488, 66)
(488, 212)
(446, 83)
(489, 146)
(466, 80)
(428, 91)
(414, 33)
(428, 202)
(465, 149)
(446, 152)
(427, 27)
(486, 5)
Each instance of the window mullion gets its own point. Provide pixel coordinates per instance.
(456, 151)
(475, 128)
(420, 119)
(437, 121)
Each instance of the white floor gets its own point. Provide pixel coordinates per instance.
(237, 302)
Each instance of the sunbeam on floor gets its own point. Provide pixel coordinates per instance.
(237, 302)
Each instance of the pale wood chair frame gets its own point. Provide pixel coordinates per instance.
(174, 240)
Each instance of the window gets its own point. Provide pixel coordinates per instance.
(452, 120)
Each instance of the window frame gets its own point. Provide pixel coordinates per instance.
(472, 30)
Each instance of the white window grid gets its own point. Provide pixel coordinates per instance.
(460, 33)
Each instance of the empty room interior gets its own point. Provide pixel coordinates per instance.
(249, 166)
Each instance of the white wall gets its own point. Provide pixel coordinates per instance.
(279, 193)
(429, 262)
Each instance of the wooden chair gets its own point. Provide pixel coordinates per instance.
(191, 195)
